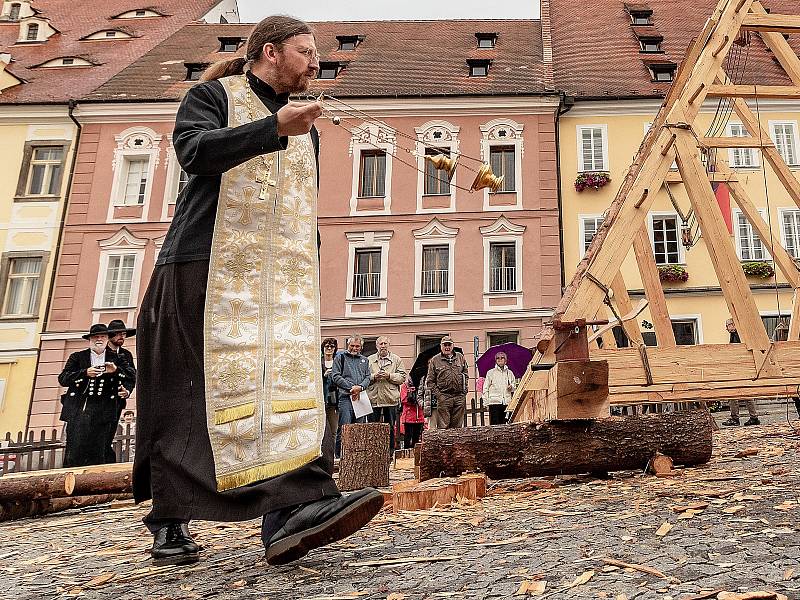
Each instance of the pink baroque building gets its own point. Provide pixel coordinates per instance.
(404, 252)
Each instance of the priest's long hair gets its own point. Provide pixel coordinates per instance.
(272, 30)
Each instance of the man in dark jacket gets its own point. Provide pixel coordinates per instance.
(89, 406)
(117, 334)
(350, 374)
(447, 381)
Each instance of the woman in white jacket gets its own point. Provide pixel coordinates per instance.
(498, 389)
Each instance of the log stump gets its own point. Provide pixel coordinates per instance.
(413, 495)
(35, 485)
(365, 456)
(567, 447)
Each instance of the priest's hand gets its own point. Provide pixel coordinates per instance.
(111, 367)
(296, 118)
(94, 371)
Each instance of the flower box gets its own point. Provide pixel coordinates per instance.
(591, 180)
(758, 268)
(673, 273)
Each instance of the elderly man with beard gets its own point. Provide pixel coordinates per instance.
(231, 417)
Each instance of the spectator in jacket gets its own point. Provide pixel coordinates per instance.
(387, 375)
(733, 403)
(498, 389)
(413, 417)
(447, 380)
(328, 352)
(350, 374)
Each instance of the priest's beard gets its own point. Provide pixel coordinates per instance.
(289, 79)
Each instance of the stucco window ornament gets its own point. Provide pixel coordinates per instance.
(142, 140)
(373, 136)
(758, 268)
(673, 273)
(592, 181)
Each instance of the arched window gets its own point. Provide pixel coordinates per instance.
(14, 14)
(33, 32)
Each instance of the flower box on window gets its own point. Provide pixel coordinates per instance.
(673, 273)
(591, 180)
(758, 268)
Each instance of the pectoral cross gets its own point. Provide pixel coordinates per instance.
(266, 181)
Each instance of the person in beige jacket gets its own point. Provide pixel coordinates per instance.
(387, 374)
(498, 389)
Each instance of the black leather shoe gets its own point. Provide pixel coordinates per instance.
(172, 545)
(752, 421)
(731, 422)
(321, 523)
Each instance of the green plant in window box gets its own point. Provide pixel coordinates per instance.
(673, 273)
(591, 180)
(758, 268)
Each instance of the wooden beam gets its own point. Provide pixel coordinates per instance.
(781, 49)
(794, 322)
(726, 264)
(624, 307)
(736, 142)
(675, 177)
(653, 290)
(609, 341)
(772, 23)
(781, 92)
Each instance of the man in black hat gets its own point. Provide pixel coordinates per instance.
(117, 333)
(89, 406)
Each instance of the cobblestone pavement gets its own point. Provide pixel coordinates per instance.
(729, 525)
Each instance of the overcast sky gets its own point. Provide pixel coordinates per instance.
(362, 10)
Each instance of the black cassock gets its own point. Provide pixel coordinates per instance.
(91, 408)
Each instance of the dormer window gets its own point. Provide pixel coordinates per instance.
(32, 34)
(478, 67)
(229, 44)
(329, 70)
(662, 73)
(650, 45)
(107, 34)
(139, 13)
(13, 14)
(66, 61)
(348, 43)
(194, 71)
(486, 40)
(641, 17)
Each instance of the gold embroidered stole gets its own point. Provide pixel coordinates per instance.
(264, 406)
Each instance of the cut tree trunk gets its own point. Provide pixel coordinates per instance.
(414, 495)
(660, 464)
(45, 506)
(365, 456)
(36, 485)
(567, 447)
(98, 482)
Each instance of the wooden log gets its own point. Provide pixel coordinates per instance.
(437, 492)
(44, 506)
(365, 456)
(98, 482)
(567, 447)
(660, 464)
(35, 485)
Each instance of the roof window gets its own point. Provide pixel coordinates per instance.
(641, 17)
(13, 14)
(662, 73)
(66, 61)
(230, 44)
(486, 40)
(139, 13)
(349, 43)
(108, 34)
(478, 67)
(194, 71)
(329, 70)
(650, 45)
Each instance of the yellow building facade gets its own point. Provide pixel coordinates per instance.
(604, 136)
(36, 143)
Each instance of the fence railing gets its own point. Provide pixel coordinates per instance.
(503, 279)
(434, 282)
(366, 285)
(45, 449)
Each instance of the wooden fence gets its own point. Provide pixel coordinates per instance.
(45, 449)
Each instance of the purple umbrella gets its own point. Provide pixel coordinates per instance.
(519, 357)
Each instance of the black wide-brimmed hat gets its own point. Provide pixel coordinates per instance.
(117, 326)
(96, 329)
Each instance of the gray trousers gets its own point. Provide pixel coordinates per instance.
(751, 408)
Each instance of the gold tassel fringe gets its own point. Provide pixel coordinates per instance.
(261, 472)
(234, 413)
(284, 406)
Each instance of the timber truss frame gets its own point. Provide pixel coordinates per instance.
(670, 373)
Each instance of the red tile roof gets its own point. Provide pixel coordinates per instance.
(596, 52)
(75, 20)
(396, 58)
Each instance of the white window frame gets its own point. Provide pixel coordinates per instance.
(435, 233)
(448, 139)
(698, 324)
(582, 218)
(681, 249)
(795, 140)
(128, 149)
(364, 240)
(123, 242)
(753, 152)
(503, 231)
(492, 135)
(371, 137)
(784, 240)
(604, 142)
(736, 213)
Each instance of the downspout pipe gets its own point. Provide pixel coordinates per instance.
(565, 103)
(71, 106)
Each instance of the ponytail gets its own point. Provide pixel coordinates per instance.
(225, 68)
(272, 30)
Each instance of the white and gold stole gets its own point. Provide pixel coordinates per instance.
(264, 404)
